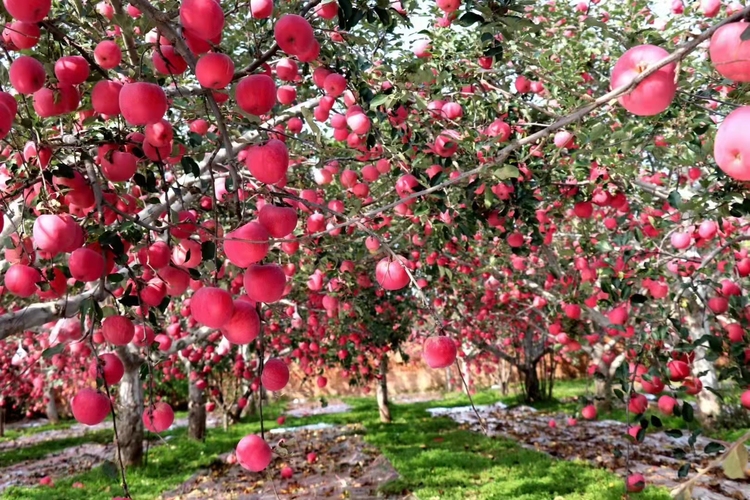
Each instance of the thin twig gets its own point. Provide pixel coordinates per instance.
(471, 400)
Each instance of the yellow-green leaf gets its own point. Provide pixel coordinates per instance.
(507, 172)
(735, 463)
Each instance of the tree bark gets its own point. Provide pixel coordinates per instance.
(532, 388)
(130, 411)
(52, 414)
(196, 413)
(382, 392)
(2, 421)
(603, 394)
(603, 386)
(709, 404)
(504, 370)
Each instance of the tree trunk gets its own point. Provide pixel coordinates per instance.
(603, 394)
(504, 370)
(448, 380)
(708, 403)
(130, 411)
(52, 414)
(382, 392)
(196, 413)
(531, 386)
(2, 421)
(603, 386)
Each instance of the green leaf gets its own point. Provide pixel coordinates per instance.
(208, 250)
(190, 166)
(745, 36)
(674, 199)
(638, 298)
(115, 278)
(469, 19)
(356, 17)
(693, 438)
(63, 170)
(378, 100)
(51, 351)
(683, 472)
(194, 139)
(345, 12)
(507, 171)
(656, 421)
(674, 433)
(687, 412)
(714, 447)
(384, 15)
(641, 435)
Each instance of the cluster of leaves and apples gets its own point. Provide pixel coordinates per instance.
(540, 229)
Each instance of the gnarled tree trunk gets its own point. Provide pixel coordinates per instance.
(196, 413)
(130, 411)
(382, 392)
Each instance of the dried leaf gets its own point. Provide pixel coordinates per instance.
(682, 492)
(735, 463)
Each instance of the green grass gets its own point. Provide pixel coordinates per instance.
(11, 434)
(48, 446)
(434, 456)
(168, 466)
(437, 459)
(40, 450)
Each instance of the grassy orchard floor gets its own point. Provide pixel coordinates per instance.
(15, 433)
(434, 457)
(53, 445)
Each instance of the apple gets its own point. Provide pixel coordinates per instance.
(655, 93)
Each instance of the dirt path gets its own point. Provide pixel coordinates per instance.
(70, 461)
(596, 441)
(346, 467)
(309, 407)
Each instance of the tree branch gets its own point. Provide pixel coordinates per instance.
(573, 117)
(129, 41)
(38, 314)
